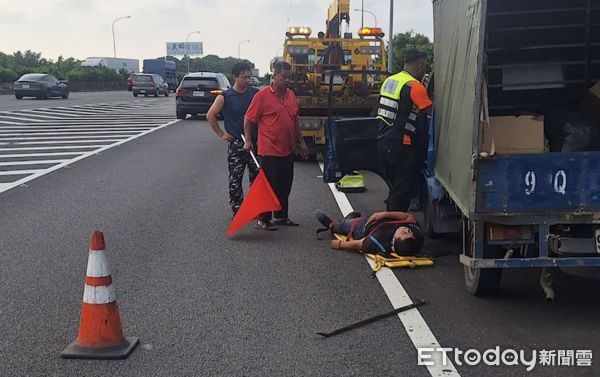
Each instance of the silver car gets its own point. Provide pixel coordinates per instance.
(149, 83)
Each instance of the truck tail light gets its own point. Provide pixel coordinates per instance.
(498, 232)
(216, 92)
(181, 91)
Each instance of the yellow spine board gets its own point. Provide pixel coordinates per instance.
(394, 260)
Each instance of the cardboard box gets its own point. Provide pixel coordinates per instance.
(591, 102)
(512, 135)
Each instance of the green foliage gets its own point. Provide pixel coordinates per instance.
(209, 63)
(7, 75)
(19, 63)
(403, 42)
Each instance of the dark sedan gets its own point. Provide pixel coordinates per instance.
(40, 85)
(197, 92)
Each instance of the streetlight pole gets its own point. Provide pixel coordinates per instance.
(187, 48)
(113, 31)
(368, 11)
(239, 44)
(391, 37)
(362, 14)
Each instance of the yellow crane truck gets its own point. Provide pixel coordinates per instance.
(314, 58)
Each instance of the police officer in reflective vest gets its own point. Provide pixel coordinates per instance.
(403, 110)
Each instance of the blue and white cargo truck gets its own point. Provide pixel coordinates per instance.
(500, 66)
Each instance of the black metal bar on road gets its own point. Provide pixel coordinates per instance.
(372, 319)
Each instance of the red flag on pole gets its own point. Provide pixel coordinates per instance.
(260, 198)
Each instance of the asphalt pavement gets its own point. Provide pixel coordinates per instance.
(206, 305)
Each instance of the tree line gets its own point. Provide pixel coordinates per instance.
(13, 66)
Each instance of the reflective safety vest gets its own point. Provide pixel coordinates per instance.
(389, 103)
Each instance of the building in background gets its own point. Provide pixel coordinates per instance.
(128, 65)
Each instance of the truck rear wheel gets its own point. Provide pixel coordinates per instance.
(482, 282)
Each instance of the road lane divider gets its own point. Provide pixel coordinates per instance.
(416, 328)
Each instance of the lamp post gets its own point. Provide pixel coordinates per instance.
(187, 48)
(239, 44)
(367, 11)
(113, 31)
(391, 37)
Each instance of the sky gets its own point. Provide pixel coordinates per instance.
(83, 28)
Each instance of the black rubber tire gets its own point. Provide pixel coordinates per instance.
(483, 282)
(135, 94)
(181, 115)
(167, 93)
(18, 96)
(66, 95)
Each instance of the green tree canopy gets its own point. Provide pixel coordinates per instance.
(406, 41)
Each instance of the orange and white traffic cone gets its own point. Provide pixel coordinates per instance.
(100, 334)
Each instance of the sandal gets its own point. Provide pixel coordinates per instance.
(285, 222)
(265, 225)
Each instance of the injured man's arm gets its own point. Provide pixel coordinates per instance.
(351, 245)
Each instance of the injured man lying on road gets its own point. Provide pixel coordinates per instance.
(382, 232)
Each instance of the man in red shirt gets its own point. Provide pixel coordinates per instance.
(275, 111)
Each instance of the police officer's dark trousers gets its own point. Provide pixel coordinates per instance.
(397, 164)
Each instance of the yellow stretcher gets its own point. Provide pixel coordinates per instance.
(394, 260)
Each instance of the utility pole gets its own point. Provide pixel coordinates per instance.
(187, 48)
(391, 36)
(362, 14)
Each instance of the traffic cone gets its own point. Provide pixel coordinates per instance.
(100, 334)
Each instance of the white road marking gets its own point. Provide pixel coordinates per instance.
(38, 115)
(50, 148)
(31, 162)
(416, 328)
(20, 172)
(45, 110)
(20, 118)
(65, 141)
(38, 173)
(18, 155)
(58, 138)
(51, 133)
(19, 132)
(12, 123)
